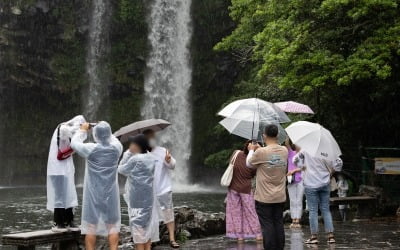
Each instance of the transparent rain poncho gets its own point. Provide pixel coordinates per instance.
(101, 213)
(61, 191)
(140, 195)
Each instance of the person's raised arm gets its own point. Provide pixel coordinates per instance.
(78, 145)
(169, 161)
(249, 159)
(125, 165)
(126, 156)
(116, 143)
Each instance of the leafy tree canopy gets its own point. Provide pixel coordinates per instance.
(307, 44)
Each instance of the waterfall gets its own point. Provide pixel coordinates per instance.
(168, 80)
(98, 47)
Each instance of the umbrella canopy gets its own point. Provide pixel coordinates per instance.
(247, 117)
(314, 139)
(140, 126)
(294, 107)
(254, 109)
(245, 129)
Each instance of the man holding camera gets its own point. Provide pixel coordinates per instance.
(101, 213)
(270, 194)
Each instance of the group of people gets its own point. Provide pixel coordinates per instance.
(148, 191)
(257, 212)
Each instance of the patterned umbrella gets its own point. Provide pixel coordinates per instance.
(294, 107)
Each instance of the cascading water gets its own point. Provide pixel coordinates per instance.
(95, 96)
(97, 50)
(168, 80)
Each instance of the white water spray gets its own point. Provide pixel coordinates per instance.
(168, 80)
(97, 49)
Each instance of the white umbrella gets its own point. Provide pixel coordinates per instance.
(251, 114)
(247, 130)
(139, 127)
(314, 139)
(252, 109)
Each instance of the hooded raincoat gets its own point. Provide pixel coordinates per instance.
(101, 213)
(140, 195)
(61, 191)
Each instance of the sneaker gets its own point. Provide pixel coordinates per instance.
(311, 240)
(58, 228)
(331, 240)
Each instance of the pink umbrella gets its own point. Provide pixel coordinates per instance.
(294, 107)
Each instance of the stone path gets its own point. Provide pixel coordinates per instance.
(361, 235)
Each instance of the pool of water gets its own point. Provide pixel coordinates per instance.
(24, 208)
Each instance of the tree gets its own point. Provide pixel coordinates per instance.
(308, 44)
(339, 56)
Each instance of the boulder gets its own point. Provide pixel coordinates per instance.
(189, 224)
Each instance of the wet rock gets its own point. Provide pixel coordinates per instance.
(191, 224)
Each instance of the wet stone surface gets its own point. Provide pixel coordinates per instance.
(360, 235)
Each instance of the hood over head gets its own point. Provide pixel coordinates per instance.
(76, 121)
(102, 133)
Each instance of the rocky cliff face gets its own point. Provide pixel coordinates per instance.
(42, 46)
(43, 49)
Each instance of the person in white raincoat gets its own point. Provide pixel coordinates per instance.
(163, 184)
(138, 166)
(61, 191)
(101, 213)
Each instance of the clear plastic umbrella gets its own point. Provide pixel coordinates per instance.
(314, 139)
(252, 111)
(250, 130)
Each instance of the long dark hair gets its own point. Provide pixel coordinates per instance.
(291, 145)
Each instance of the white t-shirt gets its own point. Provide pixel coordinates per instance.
(162, 175)
(316, 173)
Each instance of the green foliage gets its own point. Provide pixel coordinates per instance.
(307, 44)
(341, 57)
(219, 159)
(127, 60)
(69, 66)
(181, 237)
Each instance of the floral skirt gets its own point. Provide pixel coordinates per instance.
(241, 217)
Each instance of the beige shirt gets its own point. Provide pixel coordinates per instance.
(271, 164)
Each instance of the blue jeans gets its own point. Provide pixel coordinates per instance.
(319, 197)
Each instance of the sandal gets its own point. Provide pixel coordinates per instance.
(174, 244)
(312, 240)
